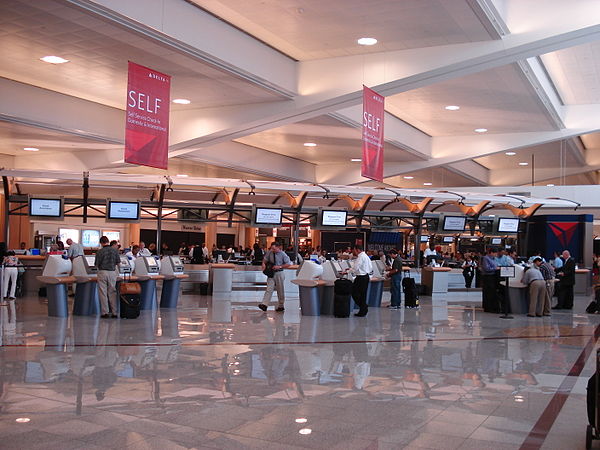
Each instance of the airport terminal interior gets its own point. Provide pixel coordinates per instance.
(278, 280)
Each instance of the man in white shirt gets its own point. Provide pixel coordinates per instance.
(143, 250)
(361, 268)
(205, 253)
(132, 255)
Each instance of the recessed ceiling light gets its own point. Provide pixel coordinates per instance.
(480, 130)
(452, 108)
(310, 144)
(182, 101)
(367, 41)
(550, 185)
(510, 153)
(31, 149)
(182, 175)
(408, 177)
(22, 420)
(427, 184)
(54, 60)
(301, 420)
(305, 431)
(356, 160)
(523, 163)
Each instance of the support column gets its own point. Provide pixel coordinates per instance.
(134, 233)
(20, 231)
(316, 238)
(4, 236)
(211, 234)
(250, 236)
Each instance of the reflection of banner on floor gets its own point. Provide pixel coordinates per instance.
(372, 135)
(147, 124)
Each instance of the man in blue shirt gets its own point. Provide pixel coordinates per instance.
(503, 260)
(489, 282)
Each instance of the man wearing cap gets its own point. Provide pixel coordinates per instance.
(537, 289)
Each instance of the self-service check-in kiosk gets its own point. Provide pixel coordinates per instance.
(85, 272)
(56, 275)
(172, 270)
(331, 272)
(308, 281)
(147, 270)
(375, 289)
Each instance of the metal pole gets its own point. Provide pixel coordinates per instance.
(296, 234)
(532, 170)
(86, 189)
(161, 198)
(418, 227)
(6, 209)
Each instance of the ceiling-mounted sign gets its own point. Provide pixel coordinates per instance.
(372, 135)
(147, 125)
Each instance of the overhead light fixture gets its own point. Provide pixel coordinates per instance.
(310, 144)
(54, 59)
(182, 101)
(31, 149)
(452, 107)
(356, 160)
(367, 41)
(550, 185)
(23, 420)
(427, 184)
(480, 130)
(305, 431)
(182, 175)
(523, 163)
(301, 420)
(510, 153)
(408, 177)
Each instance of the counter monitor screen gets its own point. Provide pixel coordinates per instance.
(337, 266)
(448, 239)
(45, 207)
(496, 241)
(268, 216)
(151, 261)
(454, 223)
(176, 261)
(123, 210)
(424, 238)
(314, 258)
(334, 218)
(508, 225)
(91, 260)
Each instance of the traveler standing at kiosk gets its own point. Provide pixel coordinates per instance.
(361, 268)
(74, 249)
(396, 279)
(490, 281)
(566, 275)
(276, 260)
(143, 250)
(107, 260)
(537, 289)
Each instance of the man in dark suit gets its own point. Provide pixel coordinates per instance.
(566, 275)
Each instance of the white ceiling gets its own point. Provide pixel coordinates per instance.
(576, 72)
(313, 29)
(336, 142)
(546, 156)
(591, 141)
(500, 100)
(98, 54)
(439, 177)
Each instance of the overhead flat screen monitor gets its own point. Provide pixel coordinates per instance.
(112, 235)
(268, 216)
(454, 223)
(506, 225)
(46, 207)
(424, 238)
(496, 241)
(116, 210)
(448, 239)
(331, 218)
(90, 238)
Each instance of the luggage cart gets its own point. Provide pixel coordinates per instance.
(593, 428)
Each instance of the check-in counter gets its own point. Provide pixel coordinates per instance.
(147, 271)
(33, 265)
(308, 282)
(375, 289)
(583, 282)
(290, 274)
(222, 277)
(56, 276)
(518, 295)
(172, 270)
(435, 279)
(86, 301)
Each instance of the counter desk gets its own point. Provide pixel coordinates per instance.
(33, 265)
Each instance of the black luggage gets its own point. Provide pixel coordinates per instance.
(342, 291)
(130, 306)
(411, 296)
(592, 431)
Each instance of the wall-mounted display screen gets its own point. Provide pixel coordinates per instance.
(90, 238)
(454, 223)
(122, 210)
(45, 207)
(496, 241)
(112, 235)
(268, 216)
(448, 239)
(68, 233)
(424, 238)
(506, 225)
(331, 218)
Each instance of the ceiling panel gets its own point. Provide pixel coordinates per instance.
(439, 177)
(313, 29)
(546, 156)
(98, 54)
(591, 140)
(336, 142)
(575, 72)
(500, 100)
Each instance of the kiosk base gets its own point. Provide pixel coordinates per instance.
(374, 293)
(86, 301)
(57, 300)
(148, 295)
(310, 303)
(327, 295)
(170, 293)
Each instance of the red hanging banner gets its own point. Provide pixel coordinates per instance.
(147, 126)
(372, 135)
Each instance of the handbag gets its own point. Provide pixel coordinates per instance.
(129, 287)
(269, 272)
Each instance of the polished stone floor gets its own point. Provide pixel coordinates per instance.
(218, 373)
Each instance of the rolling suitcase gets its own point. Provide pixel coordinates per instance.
(130, 299)
(411, 297)
(342, 291)
(593, 394)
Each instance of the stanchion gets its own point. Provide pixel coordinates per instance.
(506, 302)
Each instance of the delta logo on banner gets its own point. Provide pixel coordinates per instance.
(147, 126)
(372, 135)
(563, 231)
